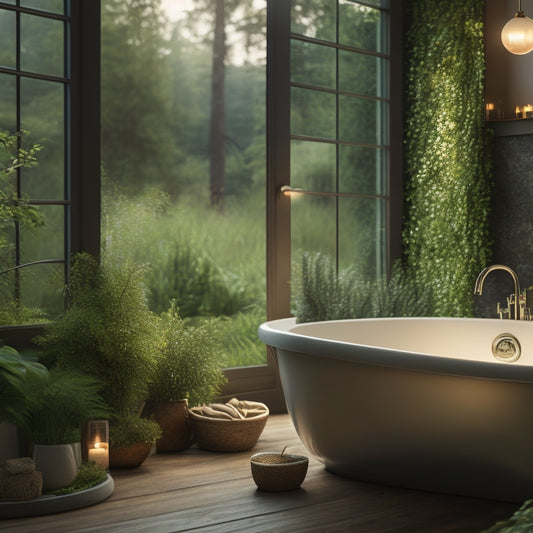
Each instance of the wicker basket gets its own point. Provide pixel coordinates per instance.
(221, 435)
(276, 472)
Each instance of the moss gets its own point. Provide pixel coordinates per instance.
(448, 172)
(89, 475)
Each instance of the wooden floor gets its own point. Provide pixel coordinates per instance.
(201, 491)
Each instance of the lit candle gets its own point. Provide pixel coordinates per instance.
(517, 112)
(99, 454)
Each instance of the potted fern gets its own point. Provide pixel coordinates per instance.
(187, 371)
(109, 333)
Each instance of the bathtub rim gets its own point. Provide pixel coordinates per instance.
(278, 334)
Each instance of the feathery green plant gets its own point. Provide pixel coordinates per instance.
(189, 365)
(324, 294)
(108, 331)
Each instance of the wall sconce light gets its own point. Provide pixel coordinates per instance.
(97, 439)
(517, 34)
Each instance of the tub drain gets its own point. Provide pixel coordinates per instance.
(506, 347)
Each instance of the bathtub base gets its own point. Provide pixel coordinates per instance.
(469, 483)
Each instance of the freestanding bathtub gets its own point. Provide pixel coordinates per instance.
(414, 402)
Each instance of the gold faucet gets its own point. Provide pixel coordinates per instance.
(520, 313)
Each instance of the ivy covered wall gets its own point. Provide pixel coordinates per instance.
(447, 150)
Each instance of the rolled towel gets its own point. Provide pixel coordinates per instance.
(247, 408)
(21, 486)
(22, 465)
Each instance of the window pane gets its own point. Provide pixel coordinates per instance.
(313, 225)
(363, 74)
(313, 64)
(314, 18)
(362, 120)
(363, 170)
(42, 105)
(8, 102)
(52, 6)
(47, 242)
(313, 166)
(312, 113)
(41, 290)
(188, 158)
(362, 235)
(42, 49)
(8, 50)
(363, 27)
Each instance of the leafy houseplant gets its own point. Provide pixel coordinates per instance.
(16, 372)
(109, 333)
(188, 370)
(58, 408)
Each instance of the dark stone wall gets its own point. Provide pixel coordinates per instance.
(511, 219)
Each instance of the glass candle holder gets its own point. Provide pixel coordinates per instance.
(98, 442)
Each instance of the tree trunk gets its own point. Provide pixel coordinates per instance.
(216, 139)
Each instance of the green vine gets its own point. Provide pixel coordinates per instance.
(448, 150)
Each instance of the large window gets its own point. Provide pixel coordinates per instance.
(335, 137)
(47, 104)
(195, 99)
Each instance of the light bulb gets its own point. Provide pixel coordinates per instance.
(517, 34)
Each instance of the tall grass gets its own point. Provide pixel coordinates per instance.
(211, 263)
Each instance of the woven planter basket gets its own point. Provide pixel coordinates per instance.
(275, 472)
(220, 435)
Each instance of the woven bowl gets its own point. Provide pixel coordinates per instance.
(276, 472)
(221, 435)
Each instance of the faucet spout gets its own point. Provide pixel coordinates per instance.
(478, 287)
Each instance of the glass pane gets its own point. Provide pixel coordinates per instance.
(42, 45)
(363, 170)
(192, 200)
(362, 235)
(313, 225)
(42, 291)
(8, 55)
(314, 18)
(313, 113)
(363, 27)
(8, 102)
(52, 6)
(363, 74)
(313, 166)
(362, 120)
(42, 106)
(313, 64)
(46, 242)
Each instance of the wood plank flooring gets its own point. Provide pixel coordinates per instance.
(201, 491)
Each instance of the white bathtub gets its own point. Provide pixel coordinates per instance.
(412, 402)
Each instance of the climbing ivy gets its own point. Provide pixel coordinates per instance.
(447, 150)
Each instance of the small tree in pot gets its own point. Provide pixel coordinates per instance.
(187, 371)
(109, 332)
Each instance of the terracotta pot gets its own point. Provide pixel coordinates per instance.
(129, 457)
(173, 418)
(57, 463)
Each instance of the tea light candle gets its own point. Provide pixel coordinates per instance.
(99, 454)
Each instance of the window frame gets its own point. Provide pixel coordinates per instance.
(81, 81)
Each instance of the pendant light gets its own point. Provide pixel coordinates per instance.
(517, 34)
